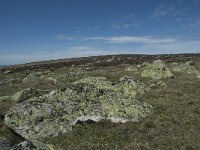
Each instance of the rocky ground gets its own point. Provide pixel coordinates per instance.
(105, 102)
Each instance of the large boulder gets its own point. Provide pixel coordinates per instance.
(126, 85)
(156, 70)
(27, 94)
(55, 113)
(130, 87)
(187, 67)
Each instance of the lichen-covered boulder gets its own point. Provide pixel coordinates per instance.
(72, 75)
(55, 113)
(156, 70)
(187, 67)
(27, 94)
(126, 85)
(99, 82)
(129, 87)
(51, 79)
(32, 77)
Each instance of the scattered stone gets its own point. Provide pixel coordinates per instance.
(34, 145)
(156, 84)
(8, 72)
(32, 77)
(72, 75)
(27, 94)
(99, 82)
(156, 70)
(42, 77)
(132, 69)
(110, 59)
(1, 83)
(12, 80)
(50, 79)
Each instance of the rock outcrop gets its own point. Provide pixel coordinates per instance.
(55, 113)
(27, 94)
(187, 67)
(156, 70)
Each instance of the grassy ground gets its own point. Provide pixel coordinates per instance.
(175, 123)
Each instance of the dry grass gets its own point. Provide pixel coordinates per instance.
(174, 125)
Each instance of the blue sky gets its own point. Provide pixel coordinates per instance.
(32, 30)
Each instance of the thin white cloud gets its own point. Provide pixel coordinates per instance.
(125, 22)
(132, 39)
(178, 13)
(96, 28)
(62, 37)
(173, 12)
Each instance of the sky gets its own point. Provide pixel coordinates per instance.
(35, 30)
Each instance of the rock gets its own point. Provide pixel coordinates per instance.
(8, 72)
(130, 87)
(132, 69)
(156, 70)
(50, 79)
(55, 113)
(26, 145)
(155, 84)
(33, 145)
(27, 94)
(1, 83)
(99, 82)
(5, 98)
(12, 80)
(110, 59)
(126, 85)
(72, 75)
(5, 144)
(32, 77)
(187, 67)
